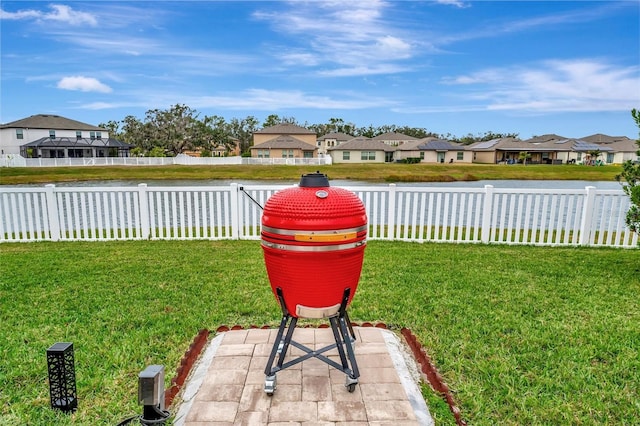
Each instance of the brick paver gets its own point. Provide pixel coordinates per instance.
(229, 389)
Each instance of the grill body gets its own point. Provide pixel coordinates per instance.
(313, 240)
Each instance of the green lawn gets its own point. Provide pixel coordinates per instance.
(388, 172)
(522, 335)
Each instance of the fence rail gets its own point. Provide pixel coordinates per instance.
(463, 215)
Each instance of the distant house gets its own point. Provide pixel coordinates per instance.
(433, 150)
(283, 146)
(550, 149)
(394, 139)
(361, 150)
(500, 150)
(427, 150)
(554, 149)
(284, 140)
(581, 152)
(53, 136)
(623, 148)
(610, 149)
(331, 140)
(222, 150)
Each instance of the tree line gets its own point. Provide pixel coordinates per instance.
(179, 128)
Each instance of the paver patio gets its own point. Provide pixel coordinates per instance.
(226, 386)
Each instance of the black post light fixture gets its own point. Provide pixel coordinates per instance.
(62, 377)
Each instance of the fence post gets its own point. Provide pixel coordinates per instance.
(391, 216)
(52, 212)
(587, 215)
(143, 199)
(487, 212)
(235, 211)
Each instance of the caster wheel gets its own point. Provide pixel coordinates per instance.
(351, 384)
(270, 385)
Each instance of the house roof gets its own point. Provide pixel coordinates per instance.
(430, 144)
(583, 146)
(600, 138)
(393, 136)
(576, 145)
(495, 144)
(440, 145)
(624, 145)
(285, 142)
(286, 129)
(543, 144)
(363, 144)
(516, 145)
(557, 145)
(545, 138)
(410, 146)
(50, 122)
(337, 136)
(69, 142)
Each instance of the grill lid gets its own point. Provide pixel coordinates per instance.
(315, 208)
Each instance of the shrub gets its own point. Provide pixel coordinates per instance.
(156, 151)
(631, 175)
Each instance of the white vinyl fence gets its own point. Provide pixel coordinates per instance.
(463, 215)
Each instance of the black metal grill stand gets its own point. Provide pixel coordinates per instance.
(344, 340)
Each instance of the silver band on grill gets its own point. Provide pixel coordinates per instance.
(335, 247)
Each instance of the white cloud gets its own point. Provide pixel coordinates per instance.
(83, 84)
(362, 70)
(457, 3)
(299, 58)
(59, 13)
(479, 77)
(22, 14)
(463, 79)
(250, 99)
(101, 105)
(500, 27)
(153, 53)
(270, 100)
(364, 33)
(393, 47)
(554, 86)
(124, 44)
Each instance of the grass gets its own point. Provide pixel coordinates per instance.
(521, 334)
(388, 172)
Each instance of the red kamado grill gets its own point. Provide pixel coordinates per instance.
(313, 239)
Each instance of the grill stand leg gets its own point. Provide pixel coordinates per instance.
(344, 337)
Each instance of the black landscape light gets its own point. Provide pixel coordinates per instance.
(62, 377)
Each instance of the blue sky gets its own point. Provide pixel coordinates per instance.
(451, 66)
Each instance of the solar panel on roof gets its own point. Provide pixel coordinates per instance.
(587, 146)
(439, 145)
(487, 144)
